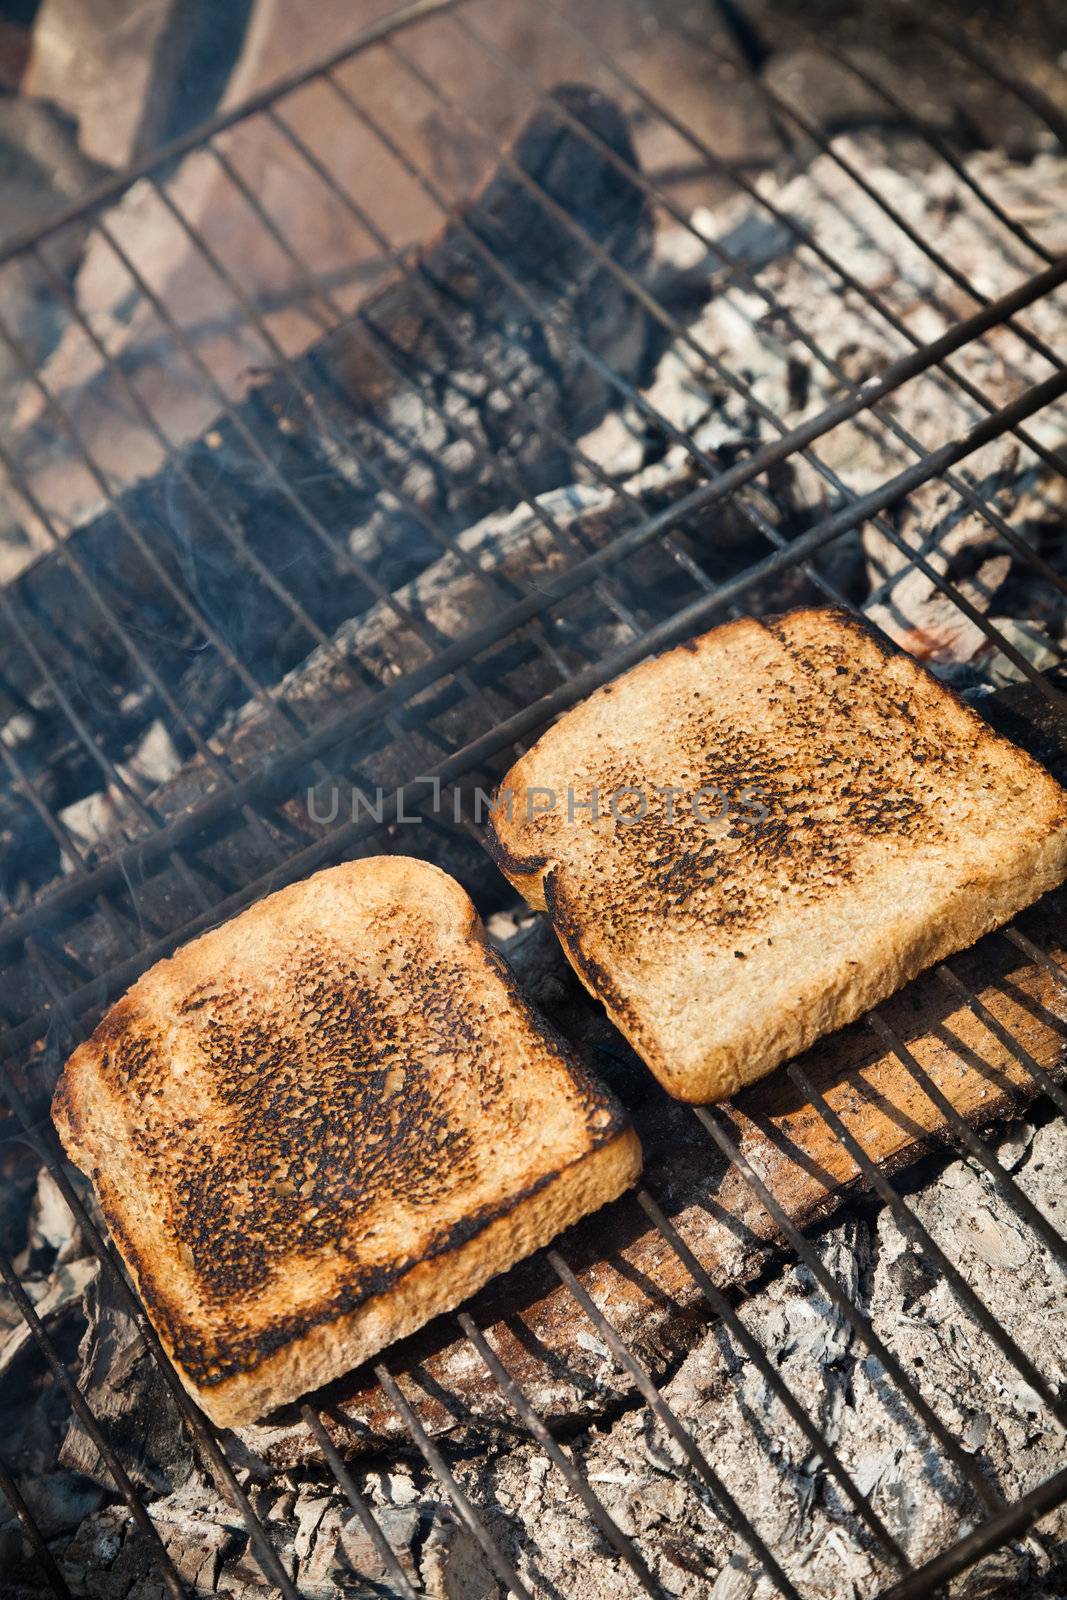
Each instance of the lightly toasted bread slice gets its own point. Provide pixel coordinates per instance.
(857, 824)
(325, 1122)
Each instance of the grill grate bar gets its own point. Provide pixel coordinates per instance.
(178, 593)
(431, 300)
(387, 597)
(576, 1482)
(976, 501)
(628, 391)
(55, 825)
(334, 548)
(99, 757)
(86, 877)
(941, 148)
(741, 181)
(920, 1236)
(171, 1579)
(1048, 1084)
(359, 1505)
(512, 618)
(1035, 953)
(452, 659)
(724, 1501)
(441, 1471)
(773, 1379)
(162, 156)
(986, 1493)
(621, 385)
(445, 542)
(737, 269)
(111, 773)
(244, 555)
(826, 145)
(562, 538)
(1016, 1197)
(976, 53)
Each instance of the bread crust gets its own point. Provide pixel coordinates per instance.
(320, 1125)
(899, 828)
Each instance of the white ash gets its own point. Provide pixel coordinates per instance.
(320, 1542)
(763, 1458)
(739, 329)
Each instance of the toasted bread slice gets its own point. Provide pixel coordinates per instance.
(320, 1125)
(873, 824)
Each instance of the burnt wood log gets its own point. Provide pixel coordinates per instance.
(507, 552)
(443, 386)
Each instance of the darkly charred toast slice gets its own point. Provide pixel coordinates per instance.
(320, 1125)
(838, 821)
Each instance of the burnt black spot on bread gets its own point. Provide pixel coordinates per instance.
(509, 864)
(568, 928)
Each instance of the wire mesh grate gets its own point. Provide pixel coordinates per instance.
(445, 707)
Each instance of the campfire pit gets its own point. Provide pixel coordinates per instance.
(632, 388)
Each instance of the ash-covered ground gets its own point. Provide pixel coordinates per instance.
(633, 1465)
(764, 1459)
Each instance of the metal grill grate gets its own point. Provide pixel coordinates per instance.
(83, 936)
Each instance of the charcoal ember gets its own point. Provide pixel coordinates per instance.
(35, 1412)
(44, 171)
(19, 1182)
(906, 602)
(827, 94)
(357, 1556)
(321, 1544)
(452, 1564)
(64, 1289)
(110, 1558)
(126, 1391)
(751, 326)
(963, 547)
(444, 386)
(53, 1233)
(59, 1503)
(746, 325)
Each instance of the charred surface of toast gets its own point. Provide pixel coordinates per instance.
(375, 1088)
(793, 794)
